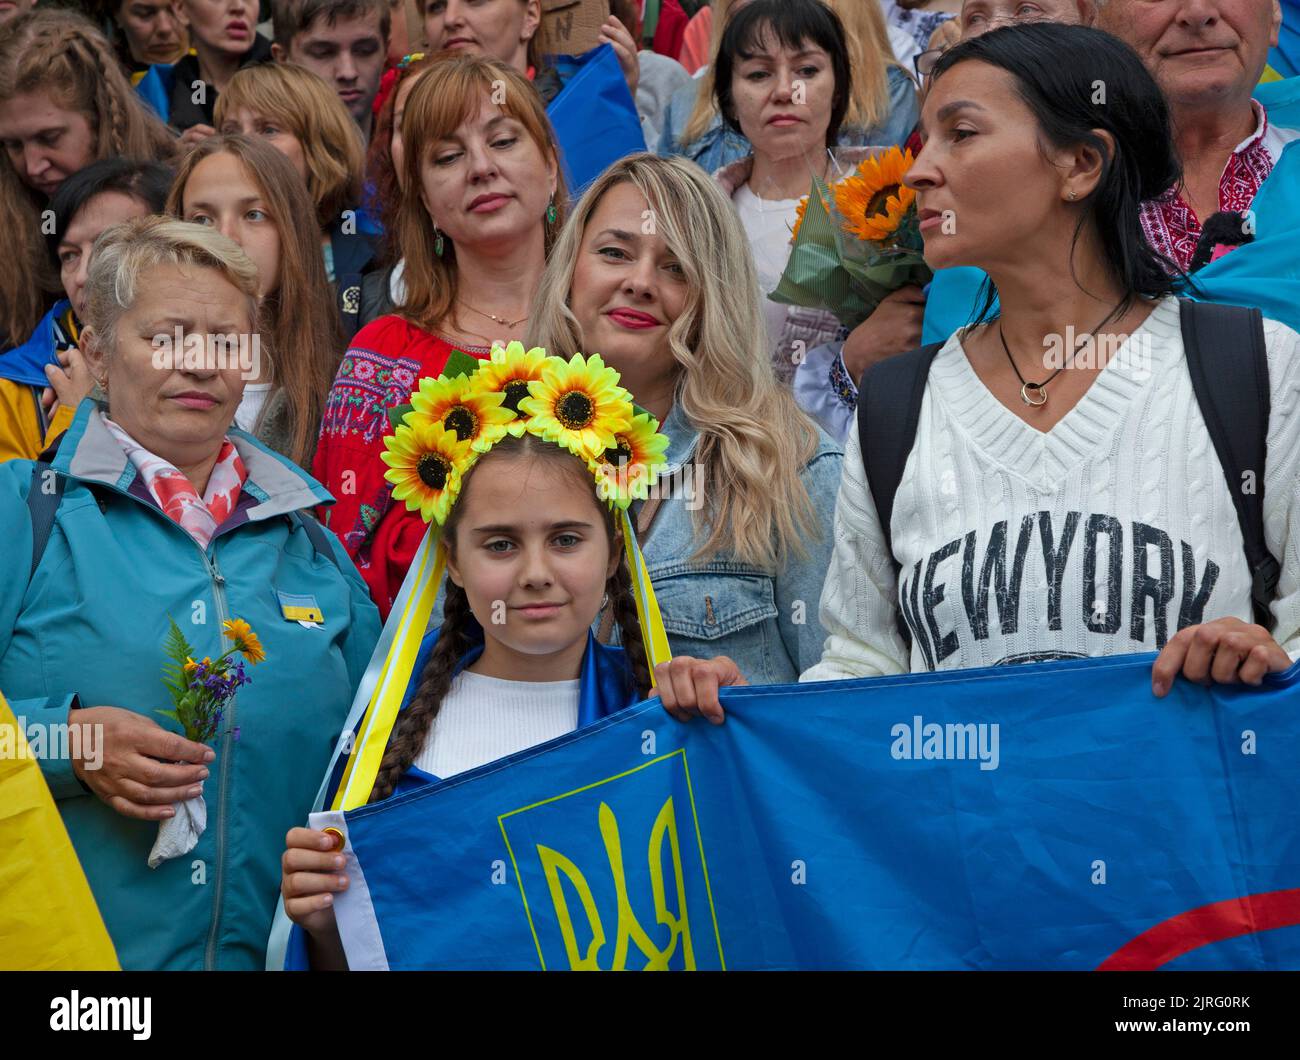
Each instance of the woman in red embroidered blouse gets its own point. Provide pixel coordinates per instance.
(474, 240)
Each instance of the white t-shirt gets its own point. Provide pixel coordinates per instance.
(1103, 536)
(485, 718)
(250, 405)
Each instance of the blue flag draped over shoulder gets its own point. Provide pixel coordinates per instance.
(594, 117)
(1050, 816)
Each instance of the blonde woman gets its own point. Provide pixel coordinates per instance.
(882, 105)
(738, 539)
(303, 118)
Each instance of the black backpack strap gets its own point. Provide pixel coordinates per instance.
(42, 504)
(316, 535)
(889, 406)
(1228, 363)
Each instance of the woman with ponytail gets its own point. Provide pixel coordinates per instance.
(529, 504)
(64, 103)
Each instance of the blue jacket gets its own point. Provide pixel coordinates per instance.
(26, 363)
(720, 145)
(768, 623)
(87, 630)
(604, 687)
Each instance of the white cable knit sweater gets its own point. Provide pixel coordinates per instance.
(1103, 536)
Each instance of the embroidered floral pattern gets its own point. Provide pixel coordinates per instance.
(1173, 229)
(367, 385)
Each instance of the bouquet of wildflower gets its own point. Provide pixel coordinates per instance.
(200, 693)
(855, 240)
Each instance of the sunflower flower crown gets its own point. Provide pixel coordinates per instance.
(577, 404)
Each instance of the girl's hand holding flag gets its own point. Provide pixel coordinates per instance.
(689, 687)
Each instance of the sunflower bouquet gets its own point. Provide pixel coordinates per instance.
(200, 690)
(855, 241)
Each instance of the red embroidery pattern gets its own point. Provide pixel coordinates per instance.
(1173, 229)
(368, 384)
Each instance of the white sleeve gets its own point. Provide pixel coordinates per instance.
(1282, 480)
(815, 392)
(860, 598)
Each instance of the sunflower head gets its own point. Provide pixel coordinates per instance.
(625, 471)
(426, 462)
(459, 405)
(508, 373)
(874, 201)
(578, 404)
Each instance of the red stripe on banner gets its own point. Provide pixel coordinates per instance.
(1199, 927)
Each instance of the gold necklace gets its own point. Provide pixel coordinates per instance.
(492, 316)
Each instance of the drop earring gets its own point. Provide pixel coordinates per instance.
(437, 241)
(551, 213)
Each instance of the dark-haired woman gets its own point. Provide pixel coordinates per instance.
(43, 380)
(784, 80)
(1062, 497)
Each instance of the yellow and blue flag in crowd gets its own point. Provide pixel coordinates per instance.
(1051, 816)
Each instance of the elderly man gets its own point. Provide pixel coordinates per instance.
(1208, 56)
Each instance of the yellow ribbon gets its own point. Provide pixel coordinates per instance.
(381, 715)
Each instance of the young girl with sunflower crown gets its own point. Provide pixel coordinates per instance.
(523, 467)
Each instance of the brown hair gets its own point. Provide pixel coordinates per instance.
(63, 54)
(291, 17)
(412, 729)
(445, 97)
(298, 319)
(304, 105)
(381, 177)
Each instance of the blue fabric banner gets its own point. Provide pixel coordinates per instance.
(1050, 816)
(594, 117)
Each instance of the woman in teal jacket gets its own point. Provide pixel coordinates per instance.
(154, 508)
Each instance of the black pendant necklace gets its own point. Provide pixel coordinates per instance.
(1035, 394)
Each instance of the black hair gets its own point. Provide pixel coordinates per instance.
(793, 23)
(1077, 80)
(147, 182)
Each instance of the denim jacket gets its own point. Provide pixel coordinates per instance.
(720, 145)
(768, 624)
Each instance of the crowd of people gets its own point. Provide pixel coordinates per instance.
(374, 200)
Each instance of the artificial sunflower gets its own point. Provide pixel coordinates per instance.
(579, 404)
(246, 641)
(875, 200)
(626, 469)
(508, 373)
(460, 405)
(425, 464)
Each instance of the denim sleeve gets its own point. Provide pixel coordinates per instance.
(799, 586)
(904, 108)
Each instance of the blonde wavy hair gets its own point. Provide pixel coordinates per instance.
(302, 104)
(870, 57)
(62, 54)
(125, 252)
(753, 439)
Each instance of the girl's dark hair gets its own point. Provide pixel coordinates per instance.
(1077, 80)
(146, 182)
(794, 24)
(455, 638)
